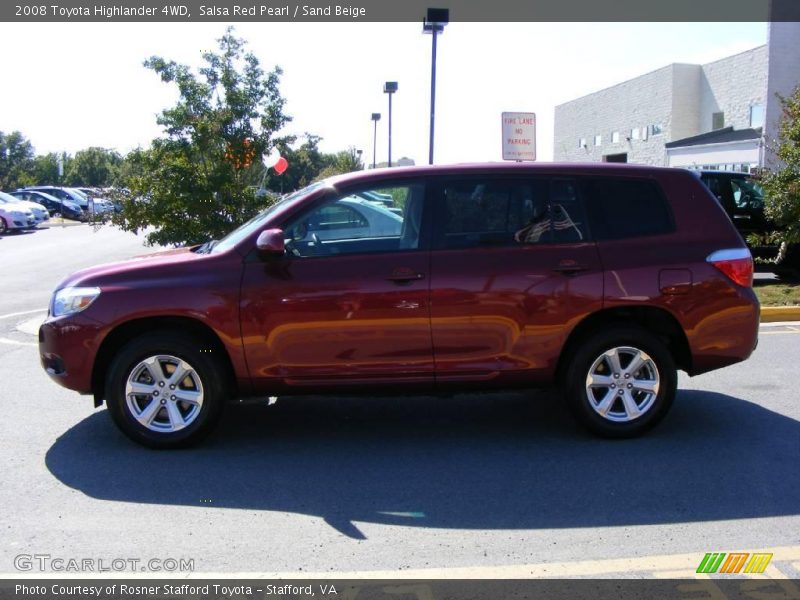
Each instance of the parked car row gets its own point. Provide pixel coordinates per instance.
(27, 208)
(56, 207)
(89, 201)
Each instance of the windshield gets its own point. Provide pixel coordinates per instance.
(78, 193)
(7, 198)
(251, 226)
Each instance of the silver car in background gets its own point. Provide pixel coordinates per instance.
(40, 213)
(15, 216)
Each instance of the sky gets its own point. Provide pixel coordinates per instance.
(68, 86)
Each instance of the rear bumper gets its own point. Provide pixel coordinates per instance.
(67, 349)
(727, 336)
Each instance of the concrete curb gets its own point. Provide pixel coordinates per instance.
(55, 224)
(773, 314)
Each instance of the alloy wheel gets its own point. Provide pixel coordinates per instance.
(622, 384)
(164, 393)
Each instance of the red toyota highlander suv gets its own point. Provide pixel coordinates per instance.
(603, 279)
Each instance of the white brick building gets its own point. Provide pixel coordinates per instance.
(716, 115)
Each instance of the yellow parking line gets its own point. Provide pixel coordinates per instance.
(784, 566)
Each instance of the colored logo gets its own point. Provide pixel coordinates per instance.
(734, 562)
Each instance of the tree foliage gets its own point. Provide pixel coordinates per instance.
(93, 167)
(16, 160)
(782, 185)
(196, 182)
(345, 161)
(44, 170)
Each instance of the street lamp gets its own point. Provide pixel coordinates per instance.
(375, 118)
(390, 87)
(434, 24)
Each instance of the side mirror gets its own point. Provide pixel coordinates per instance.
(271, 241)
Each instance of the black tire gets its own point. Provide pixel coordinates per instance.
(161, 433)
(3, 226)
(590, 357)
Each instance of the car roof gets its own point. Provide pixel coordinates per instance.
(498, 168)
(723, 173)
(41, 193)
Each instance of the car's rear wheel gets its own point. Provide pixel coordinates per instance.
(162, 391)
(620, 382)
(3, 226)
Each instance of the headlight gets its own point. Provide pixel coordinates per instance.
(73, 300)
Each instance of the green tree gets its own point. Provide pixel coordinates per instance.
(93, 167)
(782, 185)
(305, 163)
(345, 161)
(195, 182)
(45, 169)
(16, 160)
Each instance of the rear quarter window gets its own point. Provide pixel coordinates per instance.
(626, 208)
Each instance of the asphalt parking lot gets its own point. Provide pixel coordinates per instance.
(496, 484)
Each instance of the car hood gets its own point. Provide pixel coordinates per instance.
(14, 207)
(124, 273)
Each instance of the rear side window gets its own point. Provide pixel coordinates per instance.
(508, 212)
(626, 208)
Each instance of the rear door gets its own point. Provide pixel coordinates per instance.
(513, 268)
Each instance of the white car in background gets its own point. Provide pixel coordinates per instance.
(40, 213)
(14, 216)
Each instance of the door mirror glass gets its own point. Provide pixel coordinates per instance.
(271, 241)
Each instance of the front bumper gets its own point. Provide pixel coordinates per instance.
(67, 350)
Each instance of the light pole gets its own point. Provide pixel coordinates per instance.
(390, 87)
(434, 24)
(375, 118)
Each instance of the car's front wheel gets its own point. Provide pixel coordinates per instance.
(164, 390)
(621, 382)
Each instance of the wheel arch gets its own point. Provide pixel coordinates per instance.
(657, 321)
(124, 332)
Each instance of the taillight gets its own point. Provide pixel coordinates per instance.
(735, 263)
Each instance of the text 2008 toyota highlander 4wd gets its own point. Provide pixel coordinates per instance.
(604, 279)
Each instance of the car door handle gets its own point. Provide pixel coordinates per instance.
(569, 268)
(402, 276)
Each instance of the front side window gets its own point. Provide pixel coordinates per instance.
(376, 219)
(747, 193)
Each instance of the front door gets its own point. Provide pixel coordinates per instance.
(349, 303)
